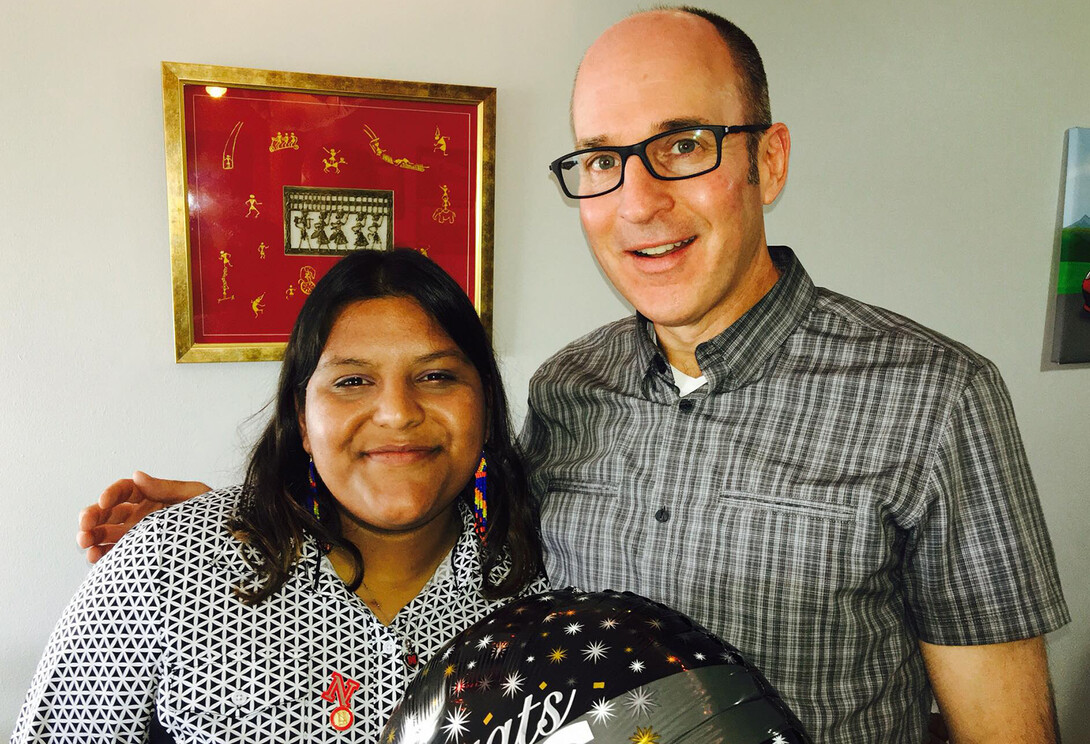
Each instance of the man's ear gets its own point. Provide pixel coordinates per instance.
(772, 160)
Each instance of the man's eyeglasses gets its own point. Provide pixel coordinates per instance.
(671, 156)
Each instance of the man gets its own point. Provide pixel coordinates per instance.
(837, 491)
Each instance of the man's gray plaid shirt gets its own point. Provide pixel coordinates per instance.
(846, 483)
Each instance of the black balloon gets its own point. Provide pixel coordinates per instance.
(569, 667)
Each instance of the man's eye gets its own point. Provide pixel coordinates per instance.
(602, 162)
(684, 147)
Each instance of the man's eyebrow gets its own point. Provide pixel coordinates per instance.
(662, 126)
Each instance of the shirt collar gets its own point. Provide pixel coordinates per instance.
(739, 355)
(462, 566)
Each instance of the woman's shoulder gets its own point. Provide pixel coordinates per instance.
(196, 524)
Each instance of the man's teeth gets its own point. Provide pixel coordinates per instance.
(660, 250)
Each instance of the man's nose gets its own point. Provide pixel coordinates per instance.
(642, 195)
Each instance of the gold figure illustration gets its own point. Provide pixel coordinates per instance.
(258, 304)
(386, 158)
(284, 141)
(333, 161)
(440, 142)
(306, 279)
(290, 291)
(229, 147)
(253, 204)
(444, 214)
(261, 250)
(225, 257)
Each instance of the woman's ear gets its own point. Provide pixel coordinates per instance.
(301, 419)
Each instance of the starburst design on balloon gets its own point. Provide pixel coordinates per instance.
(512, 685)
(698, 656)
(609, 623)
(636, 666)
(644, 736)
(485, 683)
(595, 651)
(573, 628)
(602, 711)
(500, 647)
(779, 739)
(456, 723)
(655, 623)
(639, 701)
(484, 641)
(557, 655)
(471, 664)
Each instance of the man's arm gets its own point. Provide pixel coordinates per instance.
(123, 504)
(997, 692)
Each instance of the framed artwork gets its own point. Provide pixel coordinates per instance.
(1071, 334)
(272, 176)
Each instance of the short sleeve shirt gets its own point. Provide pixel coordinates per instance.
(846, 484)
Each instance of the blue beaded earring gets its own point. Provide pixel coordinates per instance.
(480, 501)
(312, 500)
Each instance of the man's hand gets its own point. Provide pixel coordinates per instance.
(991, 693)
(123, 504)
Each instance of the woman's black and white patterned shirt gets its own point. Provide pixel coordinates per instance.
(157, 627)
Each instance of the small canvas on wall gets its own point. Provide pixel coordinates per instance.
(1071, 337)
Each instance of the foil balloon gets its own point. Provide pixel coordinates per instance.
(570, 667)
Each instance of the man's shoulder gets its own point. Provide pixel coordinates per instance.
(606, 343)
(884, 335)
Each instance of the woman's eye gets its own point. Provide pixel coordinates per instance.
(347, 382)
(437, 376)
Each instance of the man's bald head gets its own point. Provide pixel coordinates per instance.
(688, 27)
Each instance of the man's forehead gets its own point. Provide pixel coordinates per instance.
(648, 72)
(665, 125)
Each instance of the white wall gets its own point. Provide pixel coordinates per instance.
(925, 178)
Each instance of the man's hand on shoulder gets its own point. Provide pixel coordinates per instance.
(123, 504)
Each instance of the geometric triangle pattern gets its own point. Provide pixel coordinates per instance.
(156, 628)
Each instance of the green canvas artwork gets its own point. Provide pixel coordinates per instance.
(1071, 336)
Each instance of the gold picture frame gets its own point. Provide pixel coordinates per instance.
(259, 157)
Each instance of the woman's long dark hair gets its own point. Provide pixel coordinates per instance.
(273, 517)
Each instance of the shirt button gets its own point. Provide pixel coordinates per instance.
(685, 405)
(663, 515)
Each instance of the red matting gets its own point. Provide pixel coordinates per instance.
(245, 146)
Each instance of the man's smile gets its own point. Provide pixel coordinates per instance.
(664, 249)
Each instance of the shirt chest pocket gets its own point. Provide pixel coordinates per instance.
(238, 695)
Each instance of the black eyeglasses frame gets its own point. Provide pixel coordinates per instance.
(640, 150)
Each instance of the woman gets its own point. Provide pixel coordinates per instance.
(297, 606)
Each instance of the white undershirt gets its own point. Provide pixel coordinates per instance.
(686, 384)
